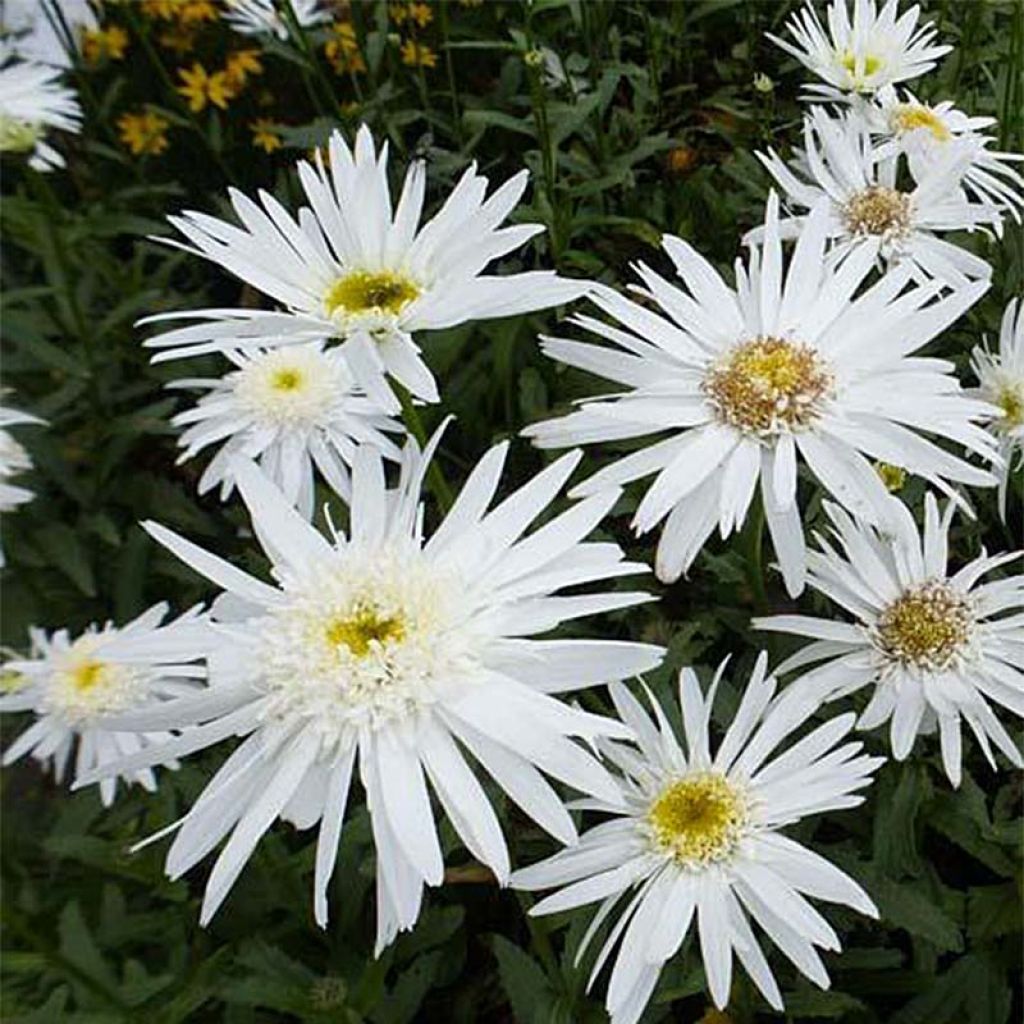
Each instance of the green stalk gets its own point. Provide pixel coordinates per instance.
(435, 477)
(450, 67)
(298, 33)
(755, 555)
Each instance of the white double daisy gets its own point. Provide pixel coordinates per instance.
(869, 210)
(264, 17)
(352, 267)
(409, 652)
(1001, 384)
(78, 688)
(296, 410)
(859, 55)
(32, 104)
(745, 381)
(925, 133)
(936, 647)
(695, 840)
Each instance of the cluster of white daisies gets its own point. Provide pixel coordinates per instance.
(417, 659)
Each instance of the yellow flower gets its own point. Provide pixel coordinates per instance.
(183, 11)
(144, 134)
(418, 55)
(264, 136)
(342, 50)
(199, 88)
(421, 14)
(240, 65)
(109, 42)
(179, 39)
(398, 13)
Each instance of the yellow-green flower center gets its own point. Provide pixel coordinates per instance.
(894, 477)
(1011, 400)
(908, 117)
(286, 380)
(927, 626)
(877, 210)
(698, 819)
(87, 675)
(870, 65)
(18, 136)
(768, 385)
(365, 291)
(362, 628)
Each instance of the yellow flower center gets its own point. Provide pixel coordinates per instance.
(894, 477)
(768, 385)
(870, 66)
(1011, 400)
(698, 819)
(87, 675)
(286, 380)
(366, 291)
(362, 628)
(17, 136)
(908, 117)
(927, 626)
(877, 210)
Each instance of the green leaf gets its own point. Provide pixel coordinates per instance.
(529, 991)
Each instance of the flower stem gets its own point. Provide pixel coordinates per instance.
(435, 477)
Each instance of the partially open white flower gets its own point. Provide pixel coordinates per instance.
(868, 207)
(859, 55)
(744, 382)
(295, 410)
(1001, 378)
(410, 651)
(936, 646)
(353, 267)
(32, 103)
(925, 133)
(695, 839)
(264, 17)
(79, 687)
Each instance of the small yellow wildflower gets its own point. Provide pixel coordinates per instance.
(110, 43)
(264, 136)
(398, 13)
(240, 65)
(144, 134)
(342, 49)
(180, 39)
(681, 159)
(421, 14)
(183, 11)
(418, 55)
(200, 88)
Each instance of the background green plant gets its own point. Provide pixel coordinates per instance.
(654, 131)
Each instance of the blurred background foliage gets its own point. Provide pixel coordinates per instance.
(634, 118)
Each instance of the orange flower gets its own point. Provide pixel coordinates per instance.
(342, 50)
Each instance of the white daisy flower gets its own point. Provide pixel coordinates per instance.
(410, 652)
(262, 17)
(925, 132)
(79, 688)
(789, 364)
(868, 211)
(696, 838)
(13, 460)
(1001, 375)
(936, 647)
(35, 29)
(859, 56)
(295, 410)
(354, 268)
(32, 102)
